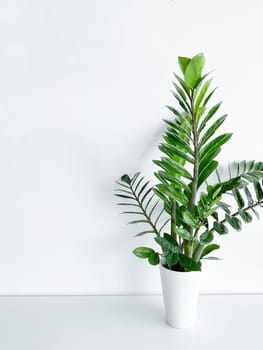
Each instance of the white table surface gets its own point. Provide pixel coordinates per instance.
(127, 322)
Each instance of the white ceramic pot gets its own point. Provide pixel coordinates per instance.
(181, 295)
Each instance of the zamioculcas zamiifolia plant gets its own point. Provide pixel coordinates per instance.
(185, 210)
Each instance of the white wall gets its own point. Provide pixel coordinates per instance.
(83, 86)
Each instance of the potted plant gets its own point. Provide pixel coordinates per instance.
(194, 206)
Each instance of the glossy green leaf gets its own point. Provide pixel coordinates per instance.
(206, 172)
(126, 178)
(216, 143)
(177, 182)
(193, 71)
(209, 115)
(172, 152)
(202, 93)
(245, 216)
(172, 259)
(174, 111)
(177, 141)
(255, 212)
(167, 243)
(182, 83)
(173, 167)
(181, 102)
(188, 263)
(207, 158)
(249, 196)
(211, 131)
(224, 206)
(176, 127)
(258, 191)
(206, 237)
(234, 222)
(220, 228)
(144, 233)
(143, 252)
(207, 99)
(239, 199)
(154, 258)
(208, 249)
(181, 232)
(181, 94)
(183, 63)
(189, 219)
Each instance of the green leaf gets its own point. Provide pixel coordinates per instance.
(202, 94)
(167, 243)
(177, 141)
(179, 184)
(154, 258)
(172, 152)
(173, 167)
(234, 222)
(183, 63)
(189, 219)
(176, 127)
(208, 249)
(144, 233)
(238, 198)
(146, 194)
(171, 259)
(209, 115)
(143, 252)
(215, 144)
(224, 207)
(255, 212)
(245, 216)
(220, 228)
(206, 172)
(181, 102)
(184, 234)
(206, 237)
(207, 158)
(181, 94)
(258, 191)
(182, 83)
(143, 188)
(188, 263)
(124, 196)
(174, 111)
(134, 178)
(126, 178)
(209, 97)
(210, 132)
(249, 196)
(139, 222)
(193, 71)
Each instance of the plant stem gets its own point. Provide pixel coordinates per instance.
(188, 249)
(198, 252)
(173, 220)
(196, 155)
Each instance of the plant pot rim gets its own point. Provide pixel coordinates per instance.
(174, 271)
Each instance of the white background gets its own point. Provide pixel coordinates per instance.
(83, 85)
